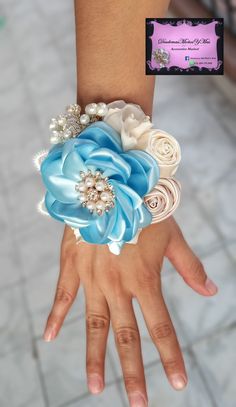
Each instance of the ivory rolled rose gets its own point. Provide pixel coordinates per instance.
(129, 120)
(163, 200)
(164, 148)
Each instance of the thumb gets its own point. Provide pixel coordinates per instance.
(188, 264)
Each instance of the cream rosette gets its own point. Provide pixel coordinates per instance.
(164, 198)
(165, 148)
(130, 121)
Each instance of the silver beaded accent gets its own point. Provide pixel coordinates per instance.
(71, 123)
(95, 192)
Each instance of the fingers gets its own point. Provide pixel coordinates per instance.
(97, 328)
(67, 287)
(128, 345)
(188, 264)
(162, 332)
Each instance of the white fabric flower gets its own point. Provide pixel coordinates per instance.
(165, 148)
(163, 200)
(129, 120)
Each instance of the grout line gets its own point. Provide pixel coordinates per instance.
(204, 379)
(227, 131)
(67, 322)
(213, 225)
(8, 286)
(87, 394)
(189, 348)
(27, 309)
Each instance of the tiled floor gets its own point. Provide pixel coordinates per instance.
(37, 71)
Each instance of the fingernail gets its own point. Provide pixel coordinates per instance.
(178, 381)
(49, 334)
(137, 400)
(95, 383)
(210, 286)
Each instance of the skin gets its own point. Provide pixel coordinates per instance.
(110, 282)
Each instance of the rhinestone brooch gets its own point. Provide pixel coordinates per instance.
(71, 123)
(95, 193)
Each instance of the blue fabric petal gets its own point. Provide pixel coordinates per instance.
(118, 230)
(126, 192)
(145, 217)
(67, 148)
(106, 222)
(138, 178)
(85, 148)
(48, 201)
(103, 134)
(61, 188)
(110, 162)
(132, 173)
(91, 235)
(150, 166)
(53, 155)
(75, 213)
(128, 218)
(72, 166)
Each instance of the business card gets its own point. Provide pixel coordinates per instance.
(190, 46)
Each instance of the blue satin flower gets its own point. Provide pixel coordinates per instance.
(132, 173)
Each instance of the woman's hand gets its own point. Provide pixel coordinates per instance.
(110, 282)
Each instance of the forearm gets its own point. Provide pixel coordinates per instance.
(110, 49)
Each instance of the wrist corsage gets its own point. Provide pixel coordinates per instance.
(109, 173)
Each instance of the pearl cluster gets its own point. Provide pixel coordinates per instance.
(71, 123)
(95, 192)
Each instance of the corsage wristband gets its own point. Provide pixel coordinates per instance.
(109, 173)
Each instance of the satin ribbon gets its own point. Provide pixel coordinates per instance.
(132, 173)
(165, 149)
(163, 200)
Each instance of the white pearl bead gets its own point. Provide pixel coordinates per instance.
(83, 197)
(89, 182)
(105, 196)
(82, 187)
(70, 108)
(53, 125)
(54, 139)
(91, 205)
(102, 109)
(91, 108)
(67, 134)
(77, 108)
(84, 119)
(98, 174)
(100, 185)
(100, 205)
(61, 121)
